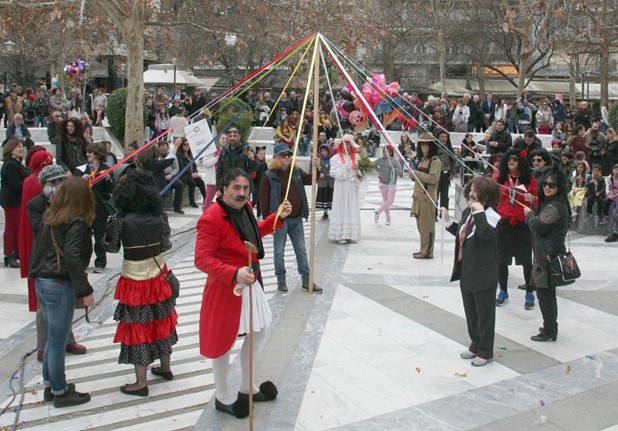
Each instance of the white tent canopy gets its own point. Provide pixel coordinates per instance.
(164, 74)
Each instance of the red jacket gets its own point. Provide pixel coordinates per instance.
(219, 252)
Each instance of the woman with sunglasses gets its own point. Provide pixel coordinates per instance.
(518, 190)
(548, 224)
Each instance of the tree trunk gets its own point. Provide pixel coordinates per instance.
(572, 79)
(134, 117)
(388, 59)
(521, 77)
(442, 59)
(604, 70)
(481, 81)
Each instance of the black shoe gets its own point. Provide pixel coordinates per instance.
(612, 238)
(193, 205)
(316, 289)
(142, 392)
(543, 336)
(268, 392)
(524, 287)
(239, 409)
(282, 287)
(167, 375)
(178, 211)
(70, 398)
(11, 261)
(48, 397)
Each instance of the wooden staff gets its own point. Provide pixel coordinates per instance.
(314, 173)
(250, 249)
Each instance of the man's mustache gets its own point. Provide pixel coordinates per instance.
(240, 198)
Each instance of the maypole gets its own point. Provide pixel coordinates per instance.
(314, 171)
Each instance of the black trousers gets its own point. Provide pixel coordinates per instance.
(98, 228)
(480, 309)
(193, 183)
(549, 309)
(503, 276)
(445, 181)
(178, 188)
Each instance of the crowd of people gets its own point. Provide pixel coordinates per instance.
(59, 214)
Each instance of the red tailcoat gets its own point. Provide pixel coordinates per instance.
(219, 252)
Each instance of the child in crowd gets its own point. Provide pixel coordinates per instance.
(580, 156)
(596, 194)
(324, 199)
(162, 121)
(260, 156)
(567, 168)
(579, 178)
(612, 199)
(389, 169)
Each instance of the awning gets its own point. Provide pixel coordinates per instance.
(208, 83)
(454, 87)
(164, 74)
(552, 87)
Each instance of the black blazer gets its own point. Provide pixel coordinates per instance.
(12, 178)
(478, 269)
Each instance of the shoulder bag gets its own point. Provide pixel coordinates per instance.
(79, 302)
(563, 268)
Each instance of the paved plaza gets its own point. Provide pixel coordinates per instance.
(378, 350)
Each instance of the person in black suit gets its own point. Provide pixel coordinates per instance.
(488, 109)
(476, 265)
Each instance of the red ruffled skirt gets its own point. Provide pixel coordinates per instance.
(146, 320)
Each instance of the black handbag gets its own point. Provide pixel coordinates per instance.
(171, 278)
(564, 269)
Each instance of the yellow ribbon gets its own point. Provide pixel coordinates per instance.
(297, 138)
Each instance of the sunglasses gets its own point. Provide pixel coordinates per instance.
(513, 159)
(537, 159)
(285, 155)
(550, 185)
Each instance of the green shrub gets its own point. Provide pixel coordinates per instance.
(243, 123)
(116, 112)
(613, 116)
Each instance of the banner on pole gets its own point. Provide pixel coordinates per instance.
(199, 135)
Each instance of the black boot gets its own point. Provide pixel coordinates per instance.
(11, 261)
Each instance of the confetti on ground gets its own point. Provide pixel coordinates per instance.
(461, 374)
(542, 403)
(418, 369)
(590, 357)
(503, 348)
(37, 403)
(567, 370)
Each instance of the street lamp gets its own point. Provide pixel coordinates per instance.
(9, 47)
(174, 60)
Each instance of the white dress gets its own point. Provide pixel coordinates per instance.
(345, 215)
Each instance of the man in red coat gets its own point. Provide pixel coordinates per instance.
(220, 253)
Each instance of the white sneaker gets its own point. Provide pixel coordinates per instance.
(467, 355)
(343, 241)
(480, 362)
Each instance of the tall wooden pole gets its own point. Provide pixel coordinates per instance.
(314, 171)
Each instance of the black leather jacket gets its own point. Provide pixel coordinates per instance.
(75, 240)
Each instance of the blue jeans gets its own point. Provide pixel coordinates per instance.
(57, 301)
(292, 227)
(40, 121)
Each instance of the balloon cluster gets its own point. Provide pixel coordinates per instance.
(76, 71)
(354, 114)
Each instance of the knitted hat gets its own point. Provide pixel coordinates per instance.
(51, 173)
